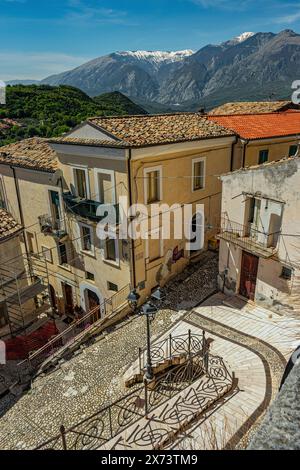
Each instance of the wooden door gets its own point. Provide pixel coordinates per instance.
(249, 268)
(68, 297)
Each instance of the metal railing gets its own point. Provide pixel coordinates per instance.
(173, 346)
(247, 236)
(111, 421)
(76, 330)
(86, 208)
(51, 226)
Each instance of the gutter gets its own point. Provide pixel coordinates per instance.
(130, 204)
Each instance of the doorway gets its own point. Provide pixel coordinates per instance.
(92, 303)
(249, 268)
(68, 299)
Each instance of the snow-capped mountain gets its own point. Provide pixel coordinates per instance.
(235, 69)
(157, 56)
(243, 37)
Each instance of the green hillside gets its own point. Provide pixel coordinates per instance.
(47, 111)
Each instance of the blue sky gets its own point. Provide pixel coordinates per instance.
(41, 37)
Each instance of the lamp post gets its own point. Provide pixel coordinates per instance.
(149, 310)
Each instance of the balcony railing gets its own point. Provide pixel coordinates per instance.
(51, 226)
(86, 208)
(248, 238)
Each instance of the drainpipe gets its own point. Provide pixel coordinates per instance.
(232, 153)
(130, 203)
(244, 143)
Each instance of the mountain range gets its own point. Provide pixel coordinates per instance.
(252, 66)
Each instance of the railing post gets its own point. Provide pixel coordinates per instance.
(170, 346)
(63, 437)
(140, 359)
(203, 342)
(189, 343)
(146, 397)
(110, 422)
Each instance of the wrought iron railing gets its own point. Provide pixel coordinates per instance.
(247, 236)
(172, 346)
(86, 208)
(105, 427)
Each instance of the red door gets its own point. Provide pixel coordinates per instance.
(249, 269)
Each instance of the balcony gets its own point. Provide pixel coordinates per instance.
(254, 241)
(86, 208)
(54, 228)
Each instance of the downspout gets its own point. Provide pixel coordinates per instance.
(244, 143)
(130, 204)
(232, 153)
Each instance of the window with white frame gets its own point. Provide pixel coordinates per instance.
(111, 252)
(198, 180)
(105, 186)
(3, 204)
(87, 239)
(81, 182)
(62, 254)
(153, 184)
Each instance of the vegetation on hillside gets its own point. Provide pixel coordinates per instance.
(47, 111)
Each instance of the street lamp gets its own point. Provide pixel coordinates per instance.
(133, 299)
(158, 295)
(149, 310)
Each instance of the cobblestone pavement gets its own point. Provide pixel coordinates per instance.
(93, 378)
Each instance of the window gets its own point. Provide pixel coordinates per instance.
(110, 249)
(286, 273)
(80, 180)
(293, 150)
(112, 286)
(263, 156)
(89, 276)
(47, 254)
(2, 196)
(105, 182)
(62, 254)
(86, 238)
(55, 209)
(198, 179)
(153, 188)
(30, 242)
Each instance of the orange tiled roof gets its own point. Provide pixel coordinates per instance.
(8, 225)
(251, 107)
(34, 153)
(139, 131)
(261, 126)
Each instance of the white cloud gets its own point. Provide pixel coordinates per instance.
(287, 19)
(36, 64)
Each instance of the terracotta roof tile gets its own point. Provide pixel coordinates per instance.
(8, 225)
(139, 131)
(34, 153)
(251, 107)
(261, 126)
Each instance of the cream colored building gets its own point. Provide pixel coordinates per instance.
(169, 159)
(260, 234)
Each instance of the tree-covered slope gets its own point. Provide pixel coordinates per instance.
(47, 111)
